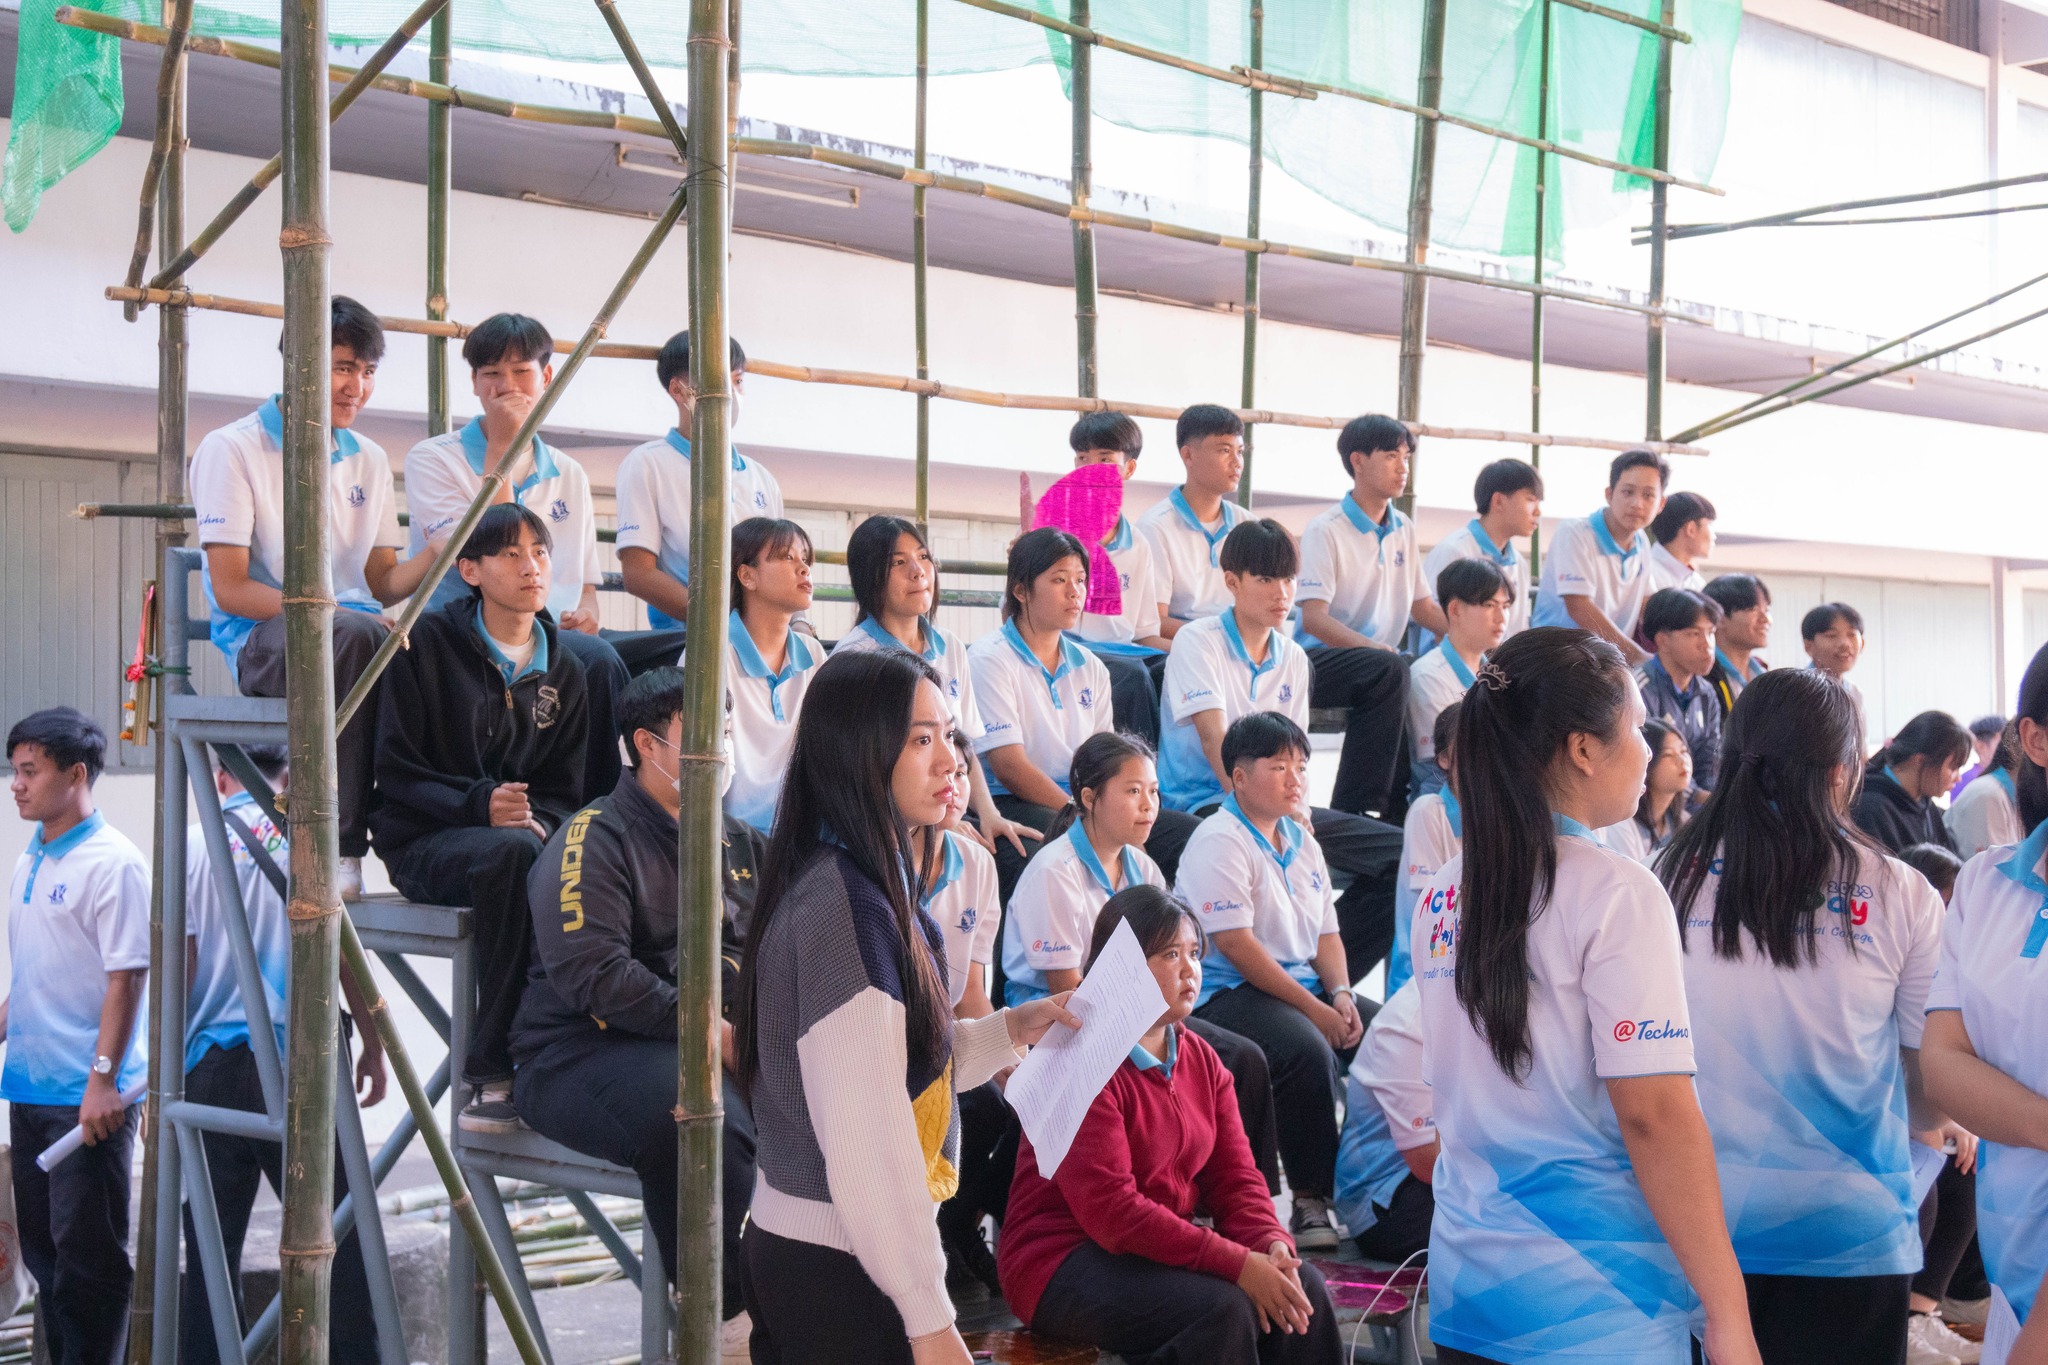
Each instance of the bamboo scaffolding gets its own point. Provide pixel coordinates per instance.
(1681, 230)
(1079, 188)
(1662, 29)
(650, 87)
(1660, 133)
(440, 172)
(1429, 86)
(1255, 178)
(920, 270)
(169, 87)
(1542, 207)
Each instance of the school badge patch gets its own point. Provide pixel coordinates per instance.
(547, 705)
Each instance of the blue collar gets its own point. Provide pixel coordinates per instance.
(1748, 675)
(1457, 663)
(475, 444)
(1453, 809)
(57, 847)
(1290, 834)
(1244, 655)
(1571, 828)
(1072, 658)
(754, 666)
(1503, 555)
(951, 865)
(272, 417)
(681, 445)
(537, 664)
(1894, 778)
(238, 800)
(1085, 851)
(1232, 515)
(1605, 537)
(934, 642)
(1120, 538)
(1145, 1061)
(1362, 523)
(2024, 869)
(2004, 779)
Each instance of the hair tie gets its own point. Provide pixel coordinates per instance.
(1492, 677)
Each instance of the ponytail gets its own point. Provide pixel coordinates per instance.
(1097, 760)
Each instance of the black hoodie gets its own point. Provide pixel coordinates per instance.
(1895, 819)
(450, 730)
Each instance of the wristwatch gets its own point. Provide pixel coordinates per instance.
(103, 1066)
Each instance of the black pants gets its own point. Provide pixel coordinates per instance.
(259, 672)
(1133, 695)
(1169, 836)
(643, 651)
(1153, 1314)
(1245, 1060)
(1364, 855)
(605, 676)
(811, 1305)
(484, 868)
(1402, 1227)
(613, 1098)
(1810, 1320)
(235, 1167)
(1373, 685)
(988, 1160)
(74, 1232)
(1307, 1079)
(1948, 1224)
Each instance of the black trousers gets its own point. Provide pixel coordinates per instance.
(1307, 1079)
(235, 1167)
(1402, 1228)
(1948, 1225)
(1811, 1320)
(643, 651)
(811, 1305)
(988, 1160)
(1169, 836)
(259, 672)
(485, 868)
(1373, 685)
(1153, 1314)
(74, 1232)
(605, 676)
(1133, 694)
(1245, 1060)
(613, 1098)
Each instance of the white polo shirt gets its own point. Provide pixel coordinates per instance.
(1369, 572)
(78, 908)
(1666, 570)
(1800, 1078)
(1130, 554)
(1472, 542)
(1543, 1246)
(1584, 561)
(1631, 839)
(217, 1016)
(443, 475)
(1235, 879)
(764, 706)
(943, 651)
(1985, 814)
(1995, 971)
(1435, 680)
(1430, 837)
(238, 496)
(1388, 1110)
(1048, 713)
(1053, 909)
(962, 901)
(1186, 555)
(1209, 669)
(654, 504)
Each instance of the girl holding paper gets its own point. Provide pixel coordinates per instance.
(1104, 1251)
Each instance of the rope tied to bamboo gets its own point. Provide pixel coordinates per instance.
(297, 238)
(309, 601)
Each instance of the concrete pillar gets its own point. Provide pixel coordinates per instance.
(2008, 634)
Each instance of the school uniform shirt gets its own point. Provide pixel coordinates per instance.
(1049, 713)
(763, 704)
(1387, 1111)
(946, 654)
(1632, 839)
(1543, 1246)
(962, 901)
(1584, 560)
(1472, 542)
(1435, 680)
(1430, 837)
(1694, 712)
(653, 501)
(1985, 814)
(1130, 554)
(443, 475)
(1666, 570)
(1800, 1078)
(1210, 669)
(1236, 879)
(1053, 909)
(78, 909)
(217, 1015)
(1186, 555)
(1368, 572)
(1994, 972)
(238, 496)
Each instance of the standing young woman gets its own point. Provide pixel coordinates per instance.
(1662, 808)
(1808, 955)
(848, 1049)
(1578, 1216)
(1899, 785)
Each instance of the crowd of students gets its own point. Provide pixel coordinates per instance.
(1651, 1060)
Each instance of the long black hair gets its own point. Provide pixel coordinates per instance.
(1538, 689)
(1035, 553)
(1097, 761)
(1935, 735)
(849, 734)
(1774, 820)
(757, 537)
(868, 552)
(2029, 782)
(1155, 916)
(1655, 732)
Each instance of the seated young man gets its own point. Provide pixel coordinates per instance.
(1595, 572)
(1186, 528)
(1681, 537)
(481, 761)
(511, 363)
(1832, 634)
(238, 497)
(1510, 497)
(1387, 1154)
(1241, 662)
(1277, 972)
(1679, 624)
(220, 1064)
(1476, 600)
(595, 1037)
(78, 943)
(1361, 581)
(1127, 642)
(1745, 628)
(770, 664)
(654, 493)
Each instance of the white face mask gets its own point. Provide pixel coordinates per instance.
(732, 411)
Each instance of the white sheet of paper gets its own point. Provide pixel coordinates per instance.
(1927, 1164)
(1051, 1090)
(2001, 1329)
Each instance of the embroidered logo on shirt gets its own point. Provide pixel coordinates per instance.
(1220, 907)
(547, 704)
(953, 687)
(967, 919)
(57, 893)
(356, 496)
(1400, 558)
(1087, 698)
(1648, 1031)
(1315, 881)
(213, 521)
(1857, 910)
(760, 498)
(1287, 691)
(1046, 945)
(558, 510)
(1442, 937)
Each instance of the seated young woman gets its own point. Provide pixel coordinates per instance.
(1106, 1252)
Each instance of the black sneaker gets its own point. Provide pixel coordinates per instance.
(491, 1111)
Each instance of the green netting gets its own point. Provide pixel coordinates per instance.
(1356, 155)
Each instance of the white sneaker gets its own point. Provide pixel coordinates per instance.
(733, 1336)
(1920, 1349)
(349, 877)
(1311, 1224)
(1942, 1337)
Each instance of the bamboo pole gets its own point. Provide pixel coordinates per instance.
(1654, 359)
(306, 1242)
(649, 86)
(1079, 188)
(1255, 175)
(699, 1100)
(1536, 305)
(1429, 85)
(440, 185)
(1679, 230)
(364, 77)
(169, 81)
(1663, 29)
(920, 262)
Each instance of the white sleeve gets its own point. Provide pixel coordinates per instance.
(1215, 880)
(434, 495)
(1419, 586)
(969, 713)
(221, 497)
(593, 565)
(1632, 969)
(1043, 919)
(1390, 1068)
(1568, 562)
(770, 489)
(1330, 925)
(1103, 710)
(1440, 554)
(988, 905)
(1968, 822)
(1144, 613)
(638, 511)
(1924, 953)
(390, 535)
(121, 917)
(1318, 578)
(1193, 682)
(1945, 992)
(1002, 720)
